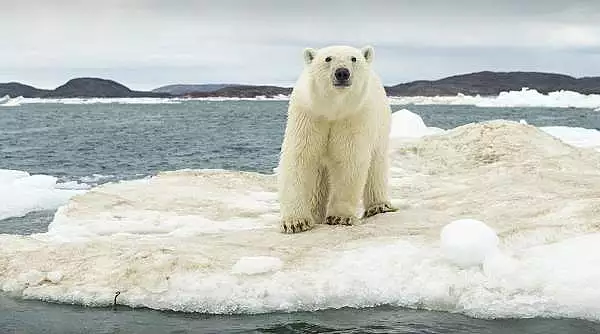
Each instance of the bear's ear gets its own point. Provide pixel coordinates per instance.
(309, 55)
(367, 52)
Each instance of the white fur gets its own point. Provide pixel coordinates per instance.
(334, 151)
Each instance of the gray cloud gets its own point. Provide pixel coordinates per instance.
(148, 43)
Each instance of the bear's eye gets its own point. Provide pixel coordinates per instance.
(353, 59)
(328, 59)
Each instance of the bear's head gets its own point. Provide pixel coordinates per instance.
(338, 68)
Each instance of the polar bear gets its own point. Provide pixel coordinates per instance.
(335, 146)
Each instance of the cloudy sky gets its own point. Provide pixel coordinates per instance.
(148, 43)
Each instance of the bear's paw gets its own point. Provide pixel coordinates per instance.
(337, 220)
(379, 208)
(296, 225)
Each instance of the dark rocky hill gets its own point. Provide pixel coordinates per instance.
(15, 89)
(245, 91)
(492, 83)
(95, 87)
(79, 87)
(482, 83)
(185, 89)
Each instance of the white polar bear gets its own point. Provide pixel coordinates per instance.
(335, 147)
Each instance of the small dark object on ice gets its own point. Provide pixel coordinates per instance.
(115, 300)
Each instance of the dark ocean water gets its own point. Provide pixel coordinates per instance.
(127, 141)
(107, 142)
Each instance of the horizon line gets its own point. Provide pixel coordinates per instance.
(286, 85)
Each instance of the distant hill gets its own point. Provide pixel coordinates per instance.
(245, 91)
(15, 89)
(185, 89)
(482, 83)
(492, 83)
(79, 87)
(95, 87)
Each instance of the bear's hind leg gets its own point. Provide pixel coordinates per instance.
(347, 184)
(349, 169)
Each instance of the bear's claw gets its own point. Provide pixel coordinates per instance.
(379, 208)
(296, 225)
(337, 220)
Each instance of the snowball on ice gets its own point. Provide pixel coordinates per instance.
(468, 242)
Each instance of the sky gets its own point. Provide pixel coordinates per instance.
(149, 43)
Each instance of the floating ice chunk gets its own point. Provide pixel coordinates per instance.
(21, 193)
(101, 100)
(252, 265)
(406, 124)
(135, 100)
(36, 181)
(579, 137)
(96, 178)
(523, 98)
(9, 175)
(72, 185)
(11, 102)
(467, 242)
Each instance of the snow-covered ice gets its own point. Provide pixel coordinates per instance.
(523, 98)
(251, 265)
(523, 202)
(13, 102)
(102, 100)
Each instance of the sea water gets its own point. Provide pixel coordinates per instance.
(53, 151)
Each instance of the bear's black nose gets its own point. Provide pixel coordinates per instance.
(342, 74)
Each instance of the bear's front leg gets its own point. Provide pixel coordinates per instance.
(299, 173)
(348, 159)
(298, 186)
